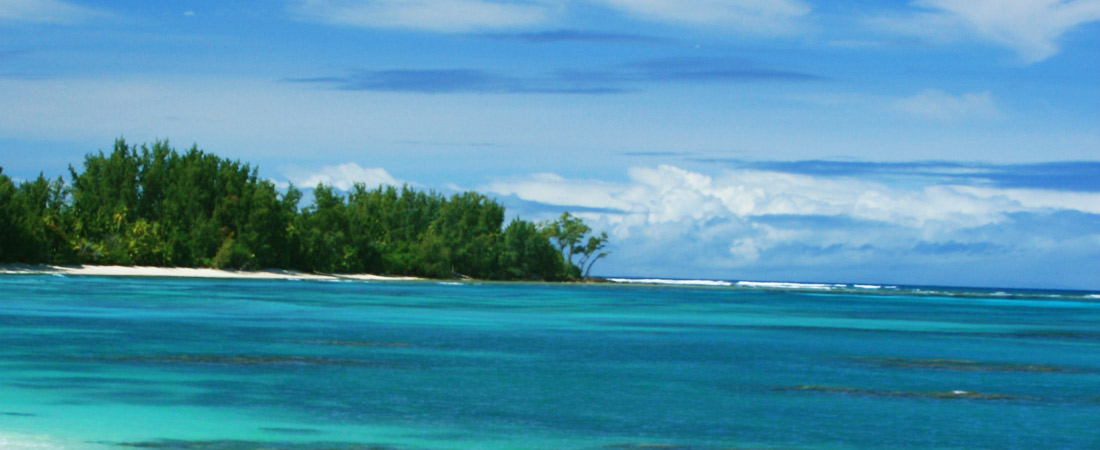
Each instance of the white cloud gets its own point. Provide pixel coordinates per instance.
(344, 176)
(745, 249)
(555, 190)
(763, 16)
(1031, 28)
(754, 16)
(435, 15)
(669, 194)
(45, 11)
(745, 219)
(1038, 200)
(936, 104)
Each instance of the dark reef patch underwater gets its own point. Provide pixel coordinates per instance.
(963, 364)
(96, 363)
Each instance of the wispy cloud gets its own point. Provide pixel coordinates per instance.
(342, 176)
(47, 11)
(451, 144)
(939, 105)
(552, 189)
(434, 15)
(11, 55)
(655, 154)
(768, 17)
(451, 81)
(426, 81)
(568, 35)
(711, 69)
(1064, 176)
(616, 80)
(1031, 28)
(755, 16)
(22, 76)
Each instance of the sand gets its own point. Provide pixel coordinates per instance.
(144, 271)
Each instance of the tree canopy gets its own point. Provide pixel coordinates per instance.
(153, 205)
(569, 233)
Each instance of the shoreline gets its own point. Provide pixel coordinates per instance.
(282, 274)
(188, 272)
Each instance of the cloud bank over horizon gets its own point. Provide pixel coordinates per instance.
(769, 224)
(342, 176)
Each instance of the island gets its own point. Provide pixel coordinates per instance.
(151, 205)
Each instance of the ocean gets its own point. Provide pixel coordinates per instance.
(121, 363)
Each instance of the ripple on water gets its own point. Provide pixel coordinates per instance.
(950, 395)
(358, 343)
(288, 430)
(173, 444)
(664, 446)
(962, 365)
(243, 360)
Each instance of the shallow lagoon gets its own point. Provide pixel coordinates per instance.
(125, 363)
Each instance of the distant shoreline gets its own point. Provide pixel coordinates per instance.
(279, 274)
(187, 272)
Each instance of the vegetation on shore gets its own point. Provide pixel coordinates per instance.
(151, 205)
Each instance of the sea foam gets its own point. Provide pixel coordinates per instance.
(12, 441)
(789, 285)
(671, 282)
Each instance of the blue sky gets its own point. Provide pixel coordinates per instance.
(947, 142)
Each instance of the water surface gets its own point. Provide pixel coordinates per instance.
(124, 363)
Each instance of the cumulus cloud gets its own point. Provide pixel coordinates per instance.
(937, 104)
(1031, 28)
(46, 11)
(434, 15)
(344, 176)
(748, 219)
(668, 194)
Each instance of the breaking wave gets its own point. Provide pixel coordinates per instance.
(671, 281)
(869, 289)
(790, 285)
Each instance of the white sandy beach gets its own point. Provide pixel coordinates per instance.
(145, 271)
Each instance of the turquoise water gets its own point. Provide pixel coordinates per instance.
(126, 363)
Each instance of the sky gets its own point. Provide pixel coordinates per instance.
(941, 142)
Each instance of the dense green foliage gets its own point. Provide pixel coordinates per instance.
(151, 205)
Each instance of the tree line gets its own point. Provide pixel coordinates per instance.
(153, 205)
